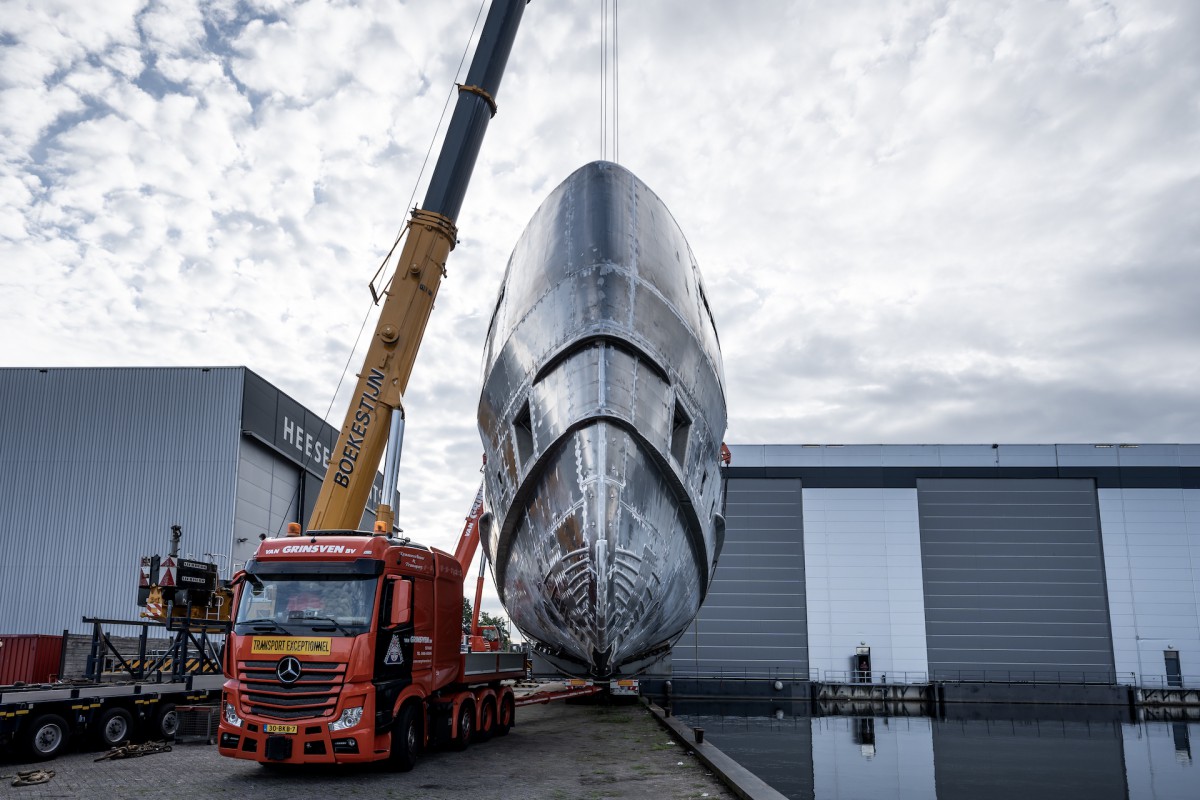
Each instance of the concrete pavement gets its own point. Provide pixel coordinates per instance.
(556, 751)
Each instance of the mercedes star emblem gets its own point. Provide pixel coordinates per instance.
(288, 669)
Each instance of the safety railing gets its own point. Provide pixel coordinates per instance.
(1170, 682)
(1021, 676)
(916, 677)
(192, 650)
(875, 677)
(744, 673)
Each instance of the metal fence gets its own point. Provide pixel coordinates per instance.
(745, 673)
(1170, 682)
(1040, 676)
(874, 677)
(1002, 676)
(194, 648)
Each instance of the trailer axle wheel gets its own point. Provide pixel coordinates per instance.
(466, 719)
(46, 737)
(508, 715)
(115, 726)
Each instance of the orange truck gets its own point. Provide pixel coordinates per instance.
(345, 648)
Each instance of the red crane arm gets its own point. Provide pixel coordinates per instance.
(468, 543)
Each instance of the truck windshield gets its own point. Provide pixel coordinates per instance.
(306, 604)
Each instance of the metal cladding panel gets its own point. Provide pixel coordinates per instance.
(1151, 555)
(268, 497)
(862, 550)
(1042, 759)
(95, 467)
(288, 429)
(286, 426)
(1131, 458)
(1008, 567)
(601, 415)
(754, 620)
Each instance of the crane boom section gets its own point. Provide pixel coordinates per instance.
(409, 297)
(468, 542)
(386, 370)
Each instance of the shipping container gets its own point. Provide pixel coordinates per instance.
(33, 658)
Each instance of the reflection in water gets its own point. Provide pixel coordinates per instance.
(1183, 743)
(974, 752)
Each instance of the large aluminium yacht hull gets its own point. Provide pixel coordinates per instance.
(602, 414)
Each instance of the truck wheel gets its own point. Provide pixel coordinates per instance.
(487, 721)
(406, 740)
(508, 715)
(466, 719)
(46, 737)
(114, 727)
(166, 723)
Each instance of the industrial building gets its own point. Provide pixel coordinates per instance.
(1069, 563)
(96, 465)
(1058, 563)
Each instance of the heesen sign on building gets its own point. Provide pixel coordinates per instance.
(292, 430)
(310, 446)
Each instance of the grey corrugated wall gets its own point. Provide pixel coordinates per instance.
(95, 467)
(1014, 580)
(754, 620)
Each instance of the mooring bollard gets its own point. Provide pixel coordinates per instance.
(698, 733)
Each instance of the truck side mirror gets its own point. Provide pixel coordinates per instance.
(401, 602)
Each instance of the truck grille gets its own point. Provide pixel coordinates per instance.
(314, 694)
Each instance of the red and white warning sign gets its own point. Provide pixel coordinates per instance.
(144, 578)
(166, 575)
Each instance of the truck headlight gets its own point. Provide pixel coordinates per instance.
(349, 718)
(231, 716)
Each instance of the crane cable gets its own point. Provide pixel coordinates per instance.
(395, 243)
(609, 63)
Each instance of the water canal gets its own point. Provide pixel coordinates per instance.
(974, 752)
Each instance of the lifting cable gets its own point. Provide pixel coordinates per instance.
(610, 81)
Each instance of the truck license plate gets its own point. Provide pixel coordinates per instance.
(280, 728)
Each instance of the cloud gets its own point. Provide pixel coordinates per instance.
(917, 221)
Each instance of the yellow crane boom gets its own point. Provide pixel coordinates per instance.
(408, 299)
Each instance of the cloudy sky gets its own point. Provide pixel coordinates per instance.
(918, 221)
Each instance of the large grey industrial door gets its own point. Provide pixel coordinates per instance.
(1014, 580)
(754, 619)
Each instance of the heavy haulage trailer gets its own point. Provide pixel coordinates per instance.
(41, 721)
(106, 709)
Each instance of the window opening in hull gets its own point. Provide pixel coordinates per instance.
(681, 428)
(523, 435)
